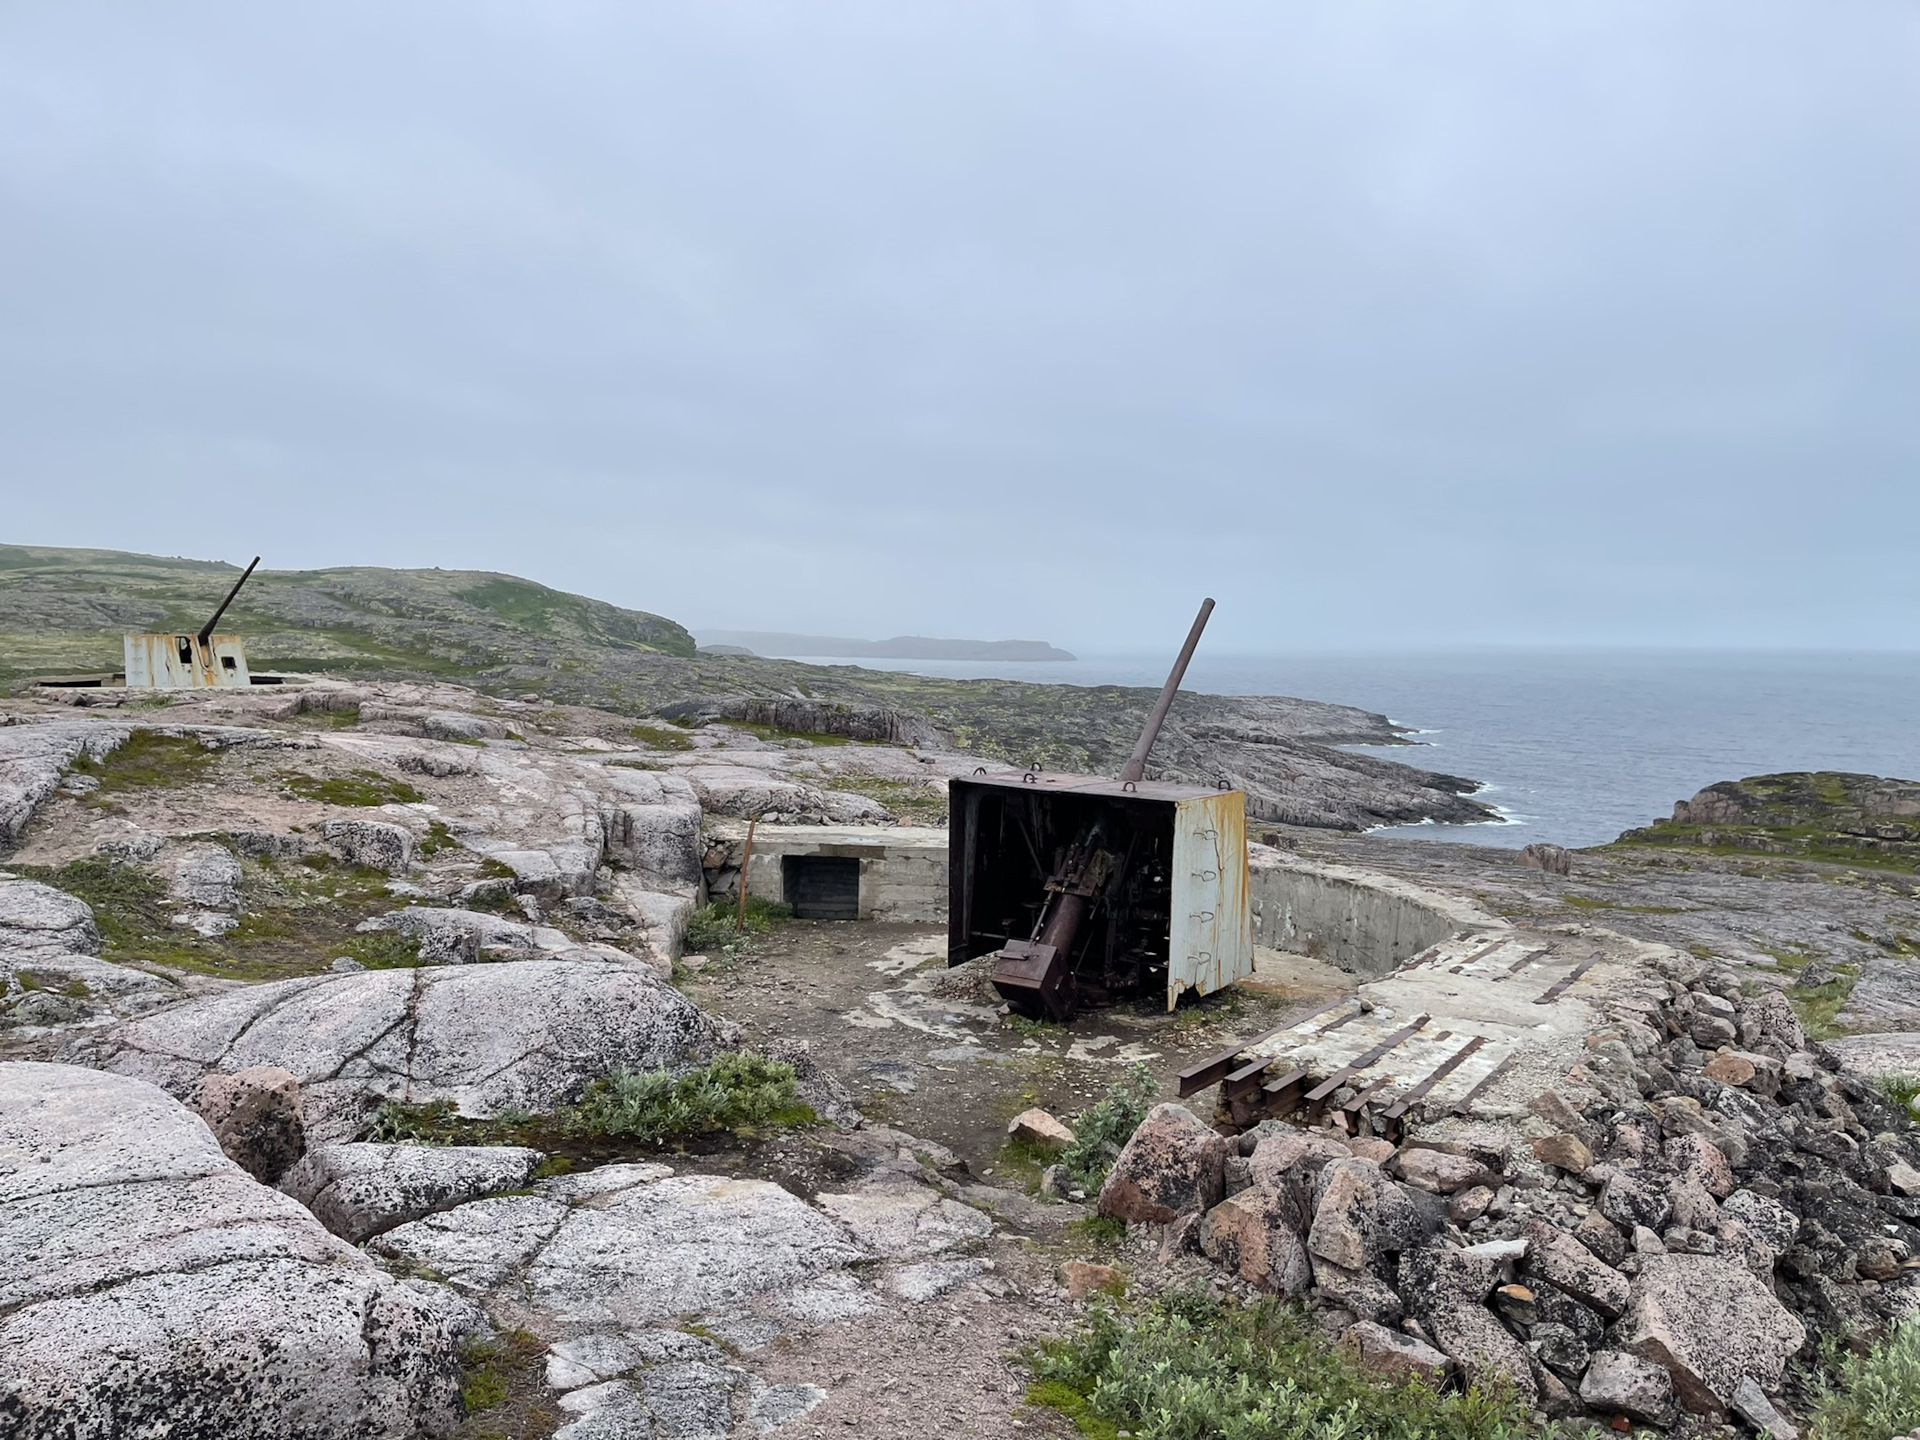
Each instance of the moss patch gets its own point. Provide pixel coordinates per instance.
(905, 800)
(659, 737)
(360, 787)
(146, 761)
(296, 919)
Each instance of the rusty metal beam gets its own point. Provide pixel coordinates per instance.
(1553, 991)
(1440, 1072)
(1317, 1096)
(1198, 1076)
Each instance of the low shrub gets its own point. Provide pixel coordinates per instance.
(715, 930)
(1103, 1128)
(1871, 1396)
(1189, 1367)
(733, 1092)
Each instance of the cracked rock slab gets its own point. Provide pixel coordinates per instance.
(359, 1190)
(148, 1286)
(656, 1246)
(489, 1038)
(905, 1221)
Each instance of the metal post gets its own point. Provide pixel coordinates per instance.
(746, 858)
(1137, 763)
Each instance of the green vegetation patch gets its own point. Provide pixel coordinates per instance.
(147, 760)
(1189, 1367)
(738, 1093)
(503, 1390)
(359, 787)
(906, 800)
(1103, 1128)
(715, 930)
(1871, 1396)
(295, 920)
(1826, 816)
(659, 737)
(774, 732)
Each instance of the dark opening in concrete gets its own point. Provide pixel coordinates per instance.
(822, 887)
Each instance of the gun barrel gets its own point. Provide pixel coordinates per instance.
(1137, 762)
(206, 630)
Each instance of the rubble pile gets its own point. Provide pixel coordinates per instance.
(1699, 1199)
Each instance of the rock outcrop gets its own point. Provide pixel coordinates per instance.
(487, 1038)
(148, 1286)
(359, 1190)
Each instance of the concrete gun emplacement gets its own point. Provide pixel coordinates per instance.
(1087, 890)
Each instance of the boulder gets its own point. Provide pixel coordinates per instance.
(904, 1220)
(488, 1038)
(1359, 1292)
(1602, 1237)
(1469, 1205)
(1556, 1256)
(1172, 1165)
(1083, 1278)
(1629, 1199)
(37, 919)
(1396, 1356)
(46, 987)
(1729, 1067)
(371, 843)
(1360, 1215)
(1711, 1323)
(455, 725)
(1699, 1159)
(1553, 859)
(1276, 1158)
(1437, 1172)
(627, 1245)
(1768, 1220)
(1446, 1290)
(359, 1190)
(256, 1116)
(1566, 1151)
(1617, 1383)
(205, 875)
(1038, 1127)
(1771, 1018)
(148, 1286)
(1256, 1234)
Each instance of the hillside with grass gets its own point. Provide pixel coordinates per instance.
(64, 612)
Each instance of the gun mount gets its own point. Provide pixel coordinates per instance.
(190, 662)
(1087, 889)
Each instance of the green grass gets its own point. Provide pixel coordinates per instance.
(146, 761)
(296, 919)
(906, 800)
(1103, 1128)
(660, 738)
(1871, 1396)
(1899, 1091)
(740, 1093)
(1188, 1367)
(715, 930)
(360, 787)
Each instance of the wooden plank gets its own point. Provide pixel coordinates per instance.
(1338, 1078)
(1554, 990)
(1440, 1072)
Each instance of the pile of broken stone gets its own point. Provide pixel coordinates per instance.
(1700, 1199)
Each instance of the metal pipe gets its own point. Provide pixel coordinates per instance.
(1137, 762)
(746, 859)
(206, 630)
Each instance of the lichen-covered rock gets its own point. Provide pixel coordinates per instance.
(1617, 1383)
(256, 1116)
(37, 919)
(359, 1190)
(488, 1038)
(1256, 1234)
(148, 1286)
(1437, 1172)
(1173, 1165)
(1446, 1290)
(372, 843)
(1556, 1256)
(1360, 1214)
(627, 1245)
(1710, 1323)
(1396, 1356)
(1276, 1158)
(51, 988)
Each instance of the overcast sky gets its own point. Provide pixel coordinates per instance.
(1387, 324)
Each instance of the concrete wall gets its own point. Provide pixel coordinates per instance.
(903, 868)
(1360, 920)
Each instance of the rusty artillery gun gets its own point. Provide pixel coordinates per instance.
(1087, 890)
(202, 660)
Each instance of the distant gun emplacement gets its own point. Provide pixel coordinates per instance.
(1087, 890)
(199, 661)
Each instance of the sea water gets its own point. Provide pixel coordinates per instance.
(1571, 746)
